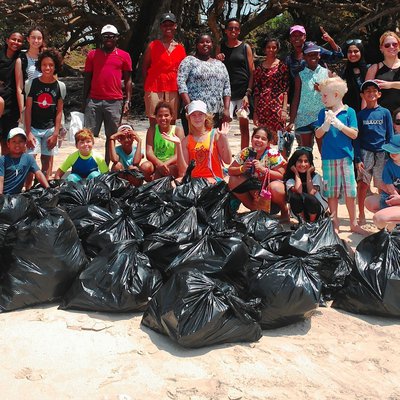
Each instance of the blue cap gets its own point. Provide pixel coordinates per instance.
(393, 146)
(310, 47)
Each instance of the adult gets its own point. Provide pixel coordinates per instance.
(295, 60)
(102, 92)
(387, 73)
(238, 59)
(11, 82)
(160, 69)
(271, 85)
(354, 73)
(35, 39)
(248, 171)
(206, 146)
(202, 77)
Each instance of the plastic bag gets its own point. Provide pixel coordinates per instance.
(119, 279)
(41, 258)
(197, 311)
(373, 287)
(76, 124)
(289, 289)
(163, 245)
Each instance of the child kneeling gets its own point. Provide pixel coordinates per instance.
(85, 163)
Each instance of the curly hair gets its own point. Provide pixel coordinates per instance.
(54, 55)
(336, 83)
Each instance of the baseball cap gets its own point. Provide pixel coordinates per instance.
(16, 131)
(197, 105)
(109, 29)
(393, 146)
(369, 83)
(167, 17)
(297, 28)
(310, 47)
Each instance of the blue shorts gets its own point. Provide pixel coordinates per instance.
(41, 136)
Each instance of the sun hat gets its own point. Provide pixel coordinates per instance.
(310, 47)
(109, 29)
(368, 83)
(167, 17)
(197, 105)
(297, 28)
(14, 132)
(393, 146)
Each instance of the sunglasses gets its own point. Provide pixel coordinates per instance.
(353, 41)
(397, 121)
(233, 28)
(106, 36)
(304, 148)
(391, 44)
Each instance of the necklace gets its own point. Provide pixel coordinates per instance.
(16, 165)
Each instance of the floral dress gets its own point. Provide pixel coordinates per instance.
(270, 86)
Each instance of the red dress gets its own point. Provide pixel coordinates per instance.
(270, 86)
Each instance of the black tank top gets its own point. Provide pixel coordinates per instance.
(390, 97)
(238, 69)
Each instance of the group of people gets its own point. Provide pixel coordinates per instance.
(350, 117)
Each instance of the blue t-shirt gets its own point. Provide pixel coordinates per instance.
(391, 174)
(375, 128)
(15, 171)
(125, 159)
(335, 144)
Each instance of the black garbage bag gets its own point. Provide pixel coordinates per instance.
(212, 195)
(197, 311)
(219, 255)
(310, 237)
(333, 265)
(119, 279)
(277, 243)
(258, 224)
(187, 194)
(373, 287)
(154, 213)
(289, 289)
(162, 186)
(164, 244)
(47, 198)
(42, 255)
(13, 207)
(88, 218)
(121, 227)
(75, 194)
(115, 184)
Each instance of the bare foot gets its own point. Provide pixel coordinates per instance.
(361, 220)
(359, 230)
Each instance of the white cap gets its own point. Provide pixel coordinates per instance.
(197, 105)
(109, 29)
(14, 132)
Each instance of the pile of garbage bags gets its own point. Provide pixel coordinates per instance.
(201, 273)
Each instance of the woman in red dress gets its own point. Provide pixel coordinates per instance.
(271, 84)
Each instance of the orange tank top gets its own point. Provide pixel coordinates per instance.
(207, 165)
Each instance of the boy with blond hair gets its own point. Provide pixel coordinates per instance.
(338, 128)
(85, 163)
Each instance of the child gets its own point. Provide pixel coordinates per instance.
(375, 129)
(15, 166)
(85, 163)
(307, 101)
(44, 107)
(396, 121)
(303, 186)
(126, 156)
(337, 128)
(160, 153)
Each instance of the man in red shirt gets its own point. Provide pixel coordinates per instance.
(102, 90)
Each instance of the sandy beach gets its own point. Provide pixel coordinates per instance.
(48, 353)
